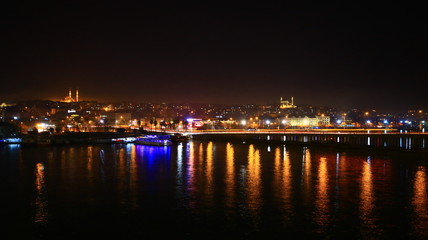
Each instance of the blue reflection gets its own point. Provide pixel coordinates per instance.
(14, 146)
(152, 154)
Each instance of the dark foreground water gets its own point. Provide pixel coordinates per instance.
(211, 190)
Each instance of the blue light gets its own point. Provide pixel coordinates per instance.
(11, 140)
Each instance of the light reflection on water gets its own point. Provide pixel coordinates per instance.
(230, 176)
(283, 183)
(213, 187)
(253, 181)
(366, 197)
(41, 201)
(321, 213)
(420, 203)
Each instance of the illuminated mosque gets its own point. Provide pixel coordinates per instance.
(287, 104)
(70, 99)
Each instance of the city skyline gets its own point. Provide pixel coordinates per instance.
(341, 56)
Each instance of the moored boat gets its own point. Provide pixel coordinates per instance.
(154, 140)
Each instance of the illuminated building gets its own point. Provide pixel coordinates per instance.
(286, 104)
(308, 121)
(70, 99)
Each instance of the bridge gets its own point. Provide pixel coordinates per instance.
(370, 138)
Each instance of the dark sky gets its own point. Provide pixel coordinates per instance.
(336, 55)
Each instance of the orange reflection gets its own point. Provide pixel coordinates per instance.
(121, 170)
(322, 199)
(230, 176)
(201, 151)
(366, 195)
(41, 204)
(90, 160)
(420, 201)
(209, 173)
(282, 171)
(307, 172)
(277, 166)
(287, 174)
(254, 181)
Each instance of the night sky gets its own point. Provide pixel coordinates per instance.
(352, 55)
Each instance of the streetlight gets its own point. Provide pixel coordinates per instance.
(243, 123)
(284, 122)
(268, 123)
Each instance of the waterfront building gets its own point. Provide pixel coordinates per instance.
(308, 121)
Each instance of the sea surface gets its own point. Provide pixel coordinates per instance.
(211, 190)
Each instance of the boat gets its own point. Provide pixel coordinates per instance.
(154, 140)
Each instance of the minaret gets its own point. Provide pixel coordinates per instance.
(69, 93)
(292, 101)
(77, 95)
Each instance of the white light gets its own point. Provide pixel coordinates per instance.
(13, 140)
(15, 118)
(243, 122)
(284, 121)
(267, 122)
(368, 121)
(339, 121)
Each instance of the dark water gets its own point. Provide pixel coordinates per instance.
(211, 190)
